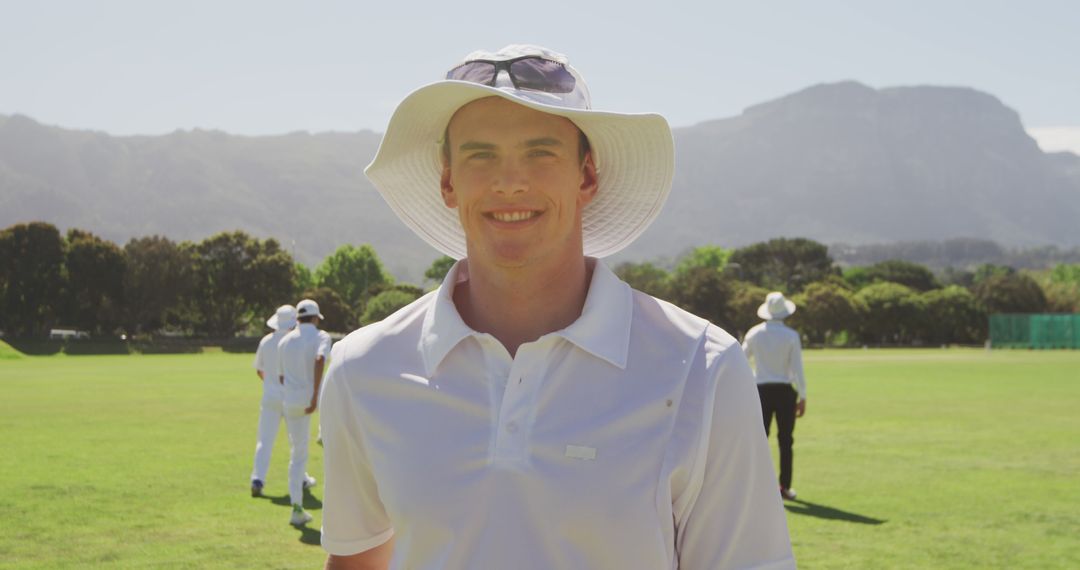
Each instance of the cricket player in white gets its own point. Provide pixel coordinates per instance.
(302, 357)
(272, 407)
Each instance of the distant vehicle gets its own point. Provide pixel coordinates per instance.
(67, 334)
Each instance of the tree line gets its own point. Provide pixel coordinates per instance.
(228, 283)
(219, 287)
(891, 302)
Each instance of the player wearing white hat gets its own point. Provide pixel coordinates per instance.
(302, 356)
(271, 407)
(777, 353)
(535, 412)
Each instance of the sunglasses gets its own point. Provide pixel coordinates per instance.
(528, 72)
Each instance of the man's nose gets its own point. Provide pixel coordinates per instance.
(511, 179)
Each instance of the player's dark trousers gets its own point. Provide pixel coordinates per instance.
(779, 400)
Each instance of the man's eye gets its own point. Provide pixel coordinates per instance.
(481, 155)
(540, 152)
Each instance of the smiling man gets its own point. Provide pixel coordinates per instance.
(534, 411)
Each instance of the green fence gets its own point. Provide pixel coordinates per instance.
(1035, 331)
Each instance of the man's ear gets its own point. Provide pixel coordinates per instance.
(589, 180)
(446, 188)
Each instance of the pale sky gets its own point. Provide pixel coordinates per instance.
(265, 67)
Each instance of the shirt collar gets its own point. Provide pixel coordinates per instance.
(603, 329)
(443, 326)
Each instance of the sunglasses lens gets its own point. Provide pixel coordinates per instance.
(542, 75)
(474, 71)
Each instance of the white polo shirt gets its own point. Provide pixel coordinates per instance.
(630, 439)
(296, 361)
(777, 352)
(266, 360)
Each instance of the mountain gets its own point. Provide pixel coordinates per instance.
(189, 185)
(847, 163)
(835, 162)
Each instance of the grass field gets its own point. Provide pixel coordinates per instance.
(905, 459)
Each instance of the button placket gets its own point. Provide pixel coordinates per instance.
(509, 444)
(499, 366)
(519, 400)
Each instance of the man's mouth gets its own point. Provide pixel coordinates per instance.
(516, 216)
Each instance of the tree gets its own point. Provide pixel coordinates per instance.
(857, 277)
(352, 271)
(646, 277)
(388, 301)
(236, 278)
(1065, 273)
(824, 310)
(711, 256)
(783, 264)
(906, 273)
(439, 268)
(31, 278)
(952, 316)
(1062, 297)
(303, 279)
(157, 279)
(339, 315)
(1063, 290)
(95, 295)
(1003, 292)
(745, 300)
(893, 313)
(706, 293)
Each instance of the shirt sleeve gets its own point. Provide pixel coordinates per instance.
(259, 353)
(747, 346)
(324, 345)
(736, 520)
(796, 369)
(354, 518)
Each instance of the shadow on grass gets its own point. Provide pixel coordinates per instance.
(308, 535)
(311, 502)
(800, 507)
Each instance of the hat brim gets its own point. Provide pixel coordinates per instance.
(634, 156)
(789, 308)
(276, 324)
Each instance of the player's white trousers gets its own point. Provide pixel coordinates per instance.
(299, 427)
(271, 412)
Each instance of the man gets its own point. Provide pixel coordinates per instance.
(272, 406)
(534, 411)
(777, 353)
(302, 356)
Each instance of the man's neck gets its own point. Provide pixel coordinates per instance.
(520, 305)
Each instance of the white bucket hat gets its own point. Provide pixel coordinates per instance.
(634, 156)
(775, 306)
(282, 319)
(308, 308)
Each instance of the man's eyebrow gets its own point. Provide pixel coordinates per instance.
(543, 141)
(473, 145)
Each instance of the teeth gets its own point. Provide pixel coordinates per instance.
(512, 216)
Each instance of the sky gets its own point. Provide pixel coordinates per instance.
(269, 67)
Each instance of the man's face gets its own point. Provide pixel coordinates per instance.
(516, 178)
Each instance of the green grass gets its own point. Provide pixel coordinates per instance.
(8, 353)
(939, 459)
(905, 459)
(142, 462)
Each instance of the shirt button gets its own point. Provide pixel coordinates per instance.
(511, 427)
